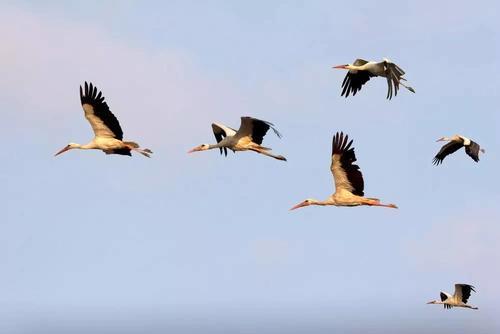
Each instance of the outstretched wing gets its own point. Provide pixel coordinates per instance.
(444, 296)
(393, 74)
(255, 128)
(97, 112)
(221, 132)
(472, 151)
(355, 79)
(446, 150)
(462, 292)
(346, 174)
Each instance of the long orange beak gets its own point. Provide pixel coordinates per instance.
(340, 67)
(301, 204)
(66, 148)
(196, 149)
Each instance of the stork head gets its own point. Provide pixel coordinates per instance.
(306, 202)
(68, 147)
(202, 147)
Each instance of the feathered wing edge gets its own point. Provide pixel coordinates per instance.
(93, 97)
(342, 146)
(219, 134)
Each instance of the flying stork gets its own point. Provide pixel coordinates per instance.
(107, 130)
(362, 70)
(455, 143)
(348, 179)
(248, 137)
(459, 298)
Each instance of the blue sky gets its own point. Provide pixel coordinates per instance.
(203, 244)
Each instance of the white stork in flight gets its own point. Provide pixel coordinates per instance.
(107, 130)
(348, 179)
(248, 138)
(459, 298)
(362, 70)
(455, 143)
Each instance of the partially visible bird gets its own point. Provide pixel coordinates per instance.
(349, 184)
(455, 143)
(249, 137)
(362, 70)
(107, 130)
(459, 298)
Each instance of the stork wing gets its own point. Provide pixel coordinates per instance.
(346, 174)
(472, 151)
(97, 112)
(360, 62)
(354, 80)
(256, 129)
(462, 292)
(446, 150)
(220, 132)
(393, 74)
(444, 296)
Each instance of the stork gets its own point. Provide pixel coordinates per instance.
(248, 138)
(362, 70)
(455, 143)
(459, 298)
(349, 184)
(107, 130)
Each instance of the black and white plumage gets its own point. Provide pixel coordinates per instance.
(454, 144)
(458, 299)
(107, 130)
(248, 137)
(348, 180)
(362, 70)
(346, 174)
(221, 132)
(97, 112)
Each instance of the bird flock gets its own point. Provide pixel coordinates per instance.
(347, 176)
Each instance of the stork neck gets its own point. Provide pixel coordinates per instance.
(327, 201)
(353, 67)
(436, 302)
(87, 146)
(218, 145)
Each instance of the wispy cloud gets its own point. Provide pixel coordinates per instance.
(46, 58)
(459, 247)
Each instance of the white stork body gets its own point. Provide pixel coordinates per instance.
(349, 184)
(456, 142)
(459, 298)
(362, 70)
(248, 137)
(107, 130)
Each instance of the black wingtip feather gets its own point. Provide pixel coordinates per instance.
(353, 82)
(342, 146)
(260, 128)
(101, 108)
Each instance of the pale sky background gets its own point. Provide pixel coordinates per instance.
(205, 244)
